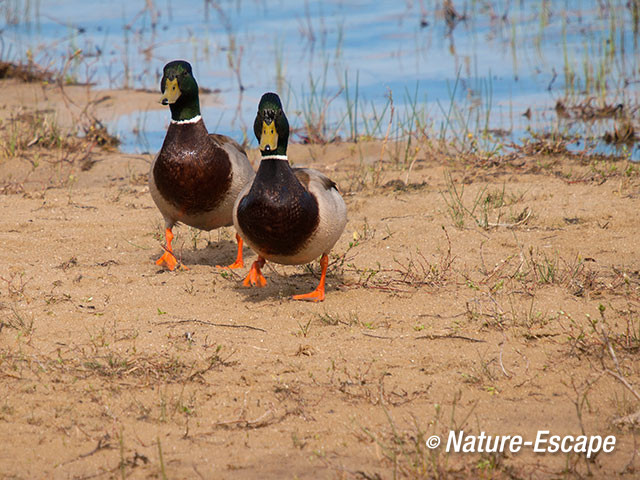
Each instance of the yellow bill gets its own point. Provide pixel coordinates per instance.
(269, 137)
(171, 92)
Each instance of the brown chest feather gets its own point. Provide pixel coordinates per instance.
(191, 171)
(279, 214)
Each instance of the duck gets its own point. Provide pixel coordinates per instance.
(197, 176)
(287, 215)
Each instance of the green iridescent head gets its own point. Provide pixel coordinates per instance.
(180, 90)
(271, 126)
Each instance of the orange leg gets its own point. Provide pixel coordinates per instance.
(168, 258)
(318, 294)
(254, 277)
(239, 263)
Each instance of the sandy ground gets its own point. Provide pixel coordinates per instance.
(518, 316)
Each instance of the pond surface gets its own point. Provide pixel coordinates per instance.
(483, 71)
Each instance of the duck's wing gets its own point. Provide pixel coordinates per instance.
(308, 177)
(241, 168)
(227, 142)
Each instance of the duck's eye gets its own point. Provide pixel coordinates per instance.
(272, 130)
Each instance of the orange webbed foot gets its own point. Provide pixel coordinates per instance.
(233, 266)
(239, 263)
(168, 259)
(316, 296)
(255, 277)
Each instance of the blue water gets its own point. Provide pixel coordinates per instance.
(505, 57)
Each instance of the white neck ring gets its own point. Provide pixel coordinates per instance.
(195, 119)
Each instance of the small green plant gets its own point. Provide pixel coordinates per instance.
(163, 472)
(332, 319)
(304, 329)
(454, 200)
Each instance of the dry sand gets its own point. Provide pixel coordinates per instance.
(111, 367)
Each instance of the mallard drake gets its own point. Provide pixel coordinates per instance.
(197, 176)
(287, 215)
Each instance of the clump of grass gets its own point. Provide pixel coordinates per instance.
(453, 198)
(622, 133)
(404, 445)
(37, 138)
(550, 269)
(26, 72)
(533, 268)
(486, 203)
(96, 133)
(15, 282)
(27, 130)
(334, 319)
(586, 110)
(107, 365)
(363, 384)
(149, 369)
(540, 144)
(408, 274)
(597, 336)
(315, 111)
(19, 322)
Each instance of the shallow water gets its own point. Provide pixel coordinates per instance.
(479, 73)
